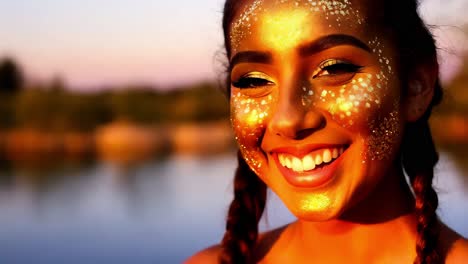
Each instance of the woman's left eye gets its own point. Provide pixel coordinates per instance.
(335, 67)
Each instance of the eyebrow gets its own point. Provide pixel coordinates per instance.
(252, 56)
(331, 41)
(316, 46)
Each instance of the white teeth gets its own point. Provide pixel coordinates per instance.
(281, 159)
(297, 165)
(327, 156)
(288, 163)
(318, 159)
(310, 161)
(335, 153)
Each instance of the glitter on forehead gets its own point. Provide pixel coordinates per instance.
(284, 30)
(241, 27)
(337, 11)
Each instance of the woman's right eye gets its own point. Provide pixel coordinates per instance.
(253, 80)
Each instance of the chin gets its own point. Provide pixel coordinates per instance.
(315, 216)
(317, 207)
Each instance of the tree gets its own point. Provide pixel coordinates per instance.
(11, 77)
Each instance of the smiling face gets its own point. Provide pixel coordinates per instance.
(315, 102)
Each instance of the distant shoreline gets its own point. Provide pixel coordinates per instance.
(127, 142)
(119, 141)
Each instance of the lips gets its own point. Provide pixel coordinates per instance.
(310, 166)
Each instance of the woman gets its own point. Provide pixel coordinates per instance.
(330, 103)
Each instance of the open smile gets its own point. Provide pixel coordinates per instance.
(309, 167)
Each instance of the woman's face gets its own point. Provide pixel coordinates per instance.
(314, 101)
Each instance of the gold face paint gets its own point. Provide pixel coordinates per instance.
(286, 27)
(315, 202)
(249, 117)
(361, 107)
(282, 31)
(355, 102)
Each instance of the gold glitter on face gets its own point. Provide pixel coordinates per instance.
(249, 117)
(241, 27)
(284, 30)
(383, 135)
(337, 12)
(315, 202)
(284, 99)
(353, 103)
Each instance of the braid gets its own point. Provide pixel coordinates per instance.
(419, 157)
(416, 47)
(244, 214)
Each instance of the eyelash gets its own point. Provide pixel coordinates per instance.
(337, 66)
(253, 80)
(258, 79)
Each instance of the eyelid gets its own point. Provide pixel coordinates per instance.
(257, 74)
(327, 63)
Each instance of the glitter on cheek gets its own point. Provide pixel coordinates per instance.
(384, 134)
(384, 131)
(307, 98)
(249, 117)
(347, 104)
(356, 104)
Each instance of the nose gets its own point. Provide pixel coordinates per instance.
(293, 120)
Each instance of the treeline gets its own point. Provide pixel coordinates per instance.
(57, 109)
(53, 107)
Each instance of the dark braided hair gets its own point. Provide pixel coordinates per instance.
(416, 47)
(244, 213)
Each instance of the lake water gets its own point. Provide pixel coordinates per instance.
(161, 211)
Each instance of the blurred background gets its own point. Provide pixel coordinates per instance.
(115, 144)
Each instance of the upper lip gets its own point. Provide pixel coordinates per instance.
(301, 151)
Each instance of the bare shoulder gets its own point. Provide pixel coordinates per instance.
(455, 246)
(207, 255)
(458, 252)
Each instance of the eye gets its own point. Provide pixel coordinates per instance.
(336, 68)
(253, 80)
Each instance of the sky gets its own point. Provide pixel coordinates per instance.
(94, 43)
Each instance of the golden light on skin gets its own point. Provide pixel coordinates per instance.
(315, 202)
(249, 116)
(284, 30)
(352, 104)
(338, 12)
(241, 27)
(383, 135)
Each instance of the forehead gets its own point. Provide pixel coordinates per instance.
(283, 23)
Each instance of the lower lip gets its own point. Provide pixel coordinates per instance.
(309, 179)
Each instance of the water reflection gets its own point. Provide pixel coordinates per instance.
(159, 211)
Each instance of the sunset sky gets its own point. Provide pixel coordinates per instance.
(104, 42)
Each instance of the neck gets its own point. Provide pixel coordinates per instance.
(390, 199)
(386, 211)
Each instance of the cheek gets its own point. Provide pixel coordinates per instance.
(367, 106)
(249, 117)
(354, 104)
